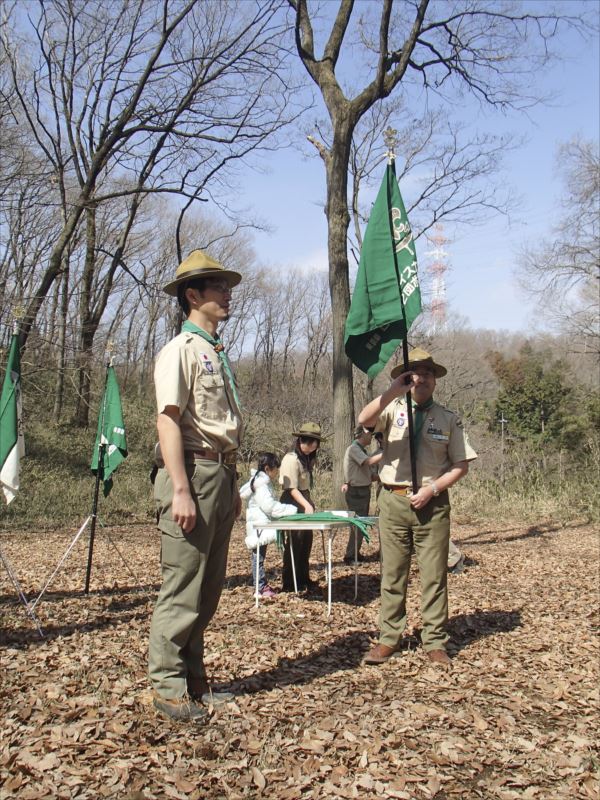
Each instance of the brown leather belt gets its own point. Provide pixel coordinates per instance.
(212, 455)
(406, 491)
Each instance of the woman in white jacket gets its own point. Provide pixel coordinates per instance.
(263, 507)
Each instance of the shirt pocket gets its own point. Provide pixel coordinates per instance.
(438, 443)
(209, 393)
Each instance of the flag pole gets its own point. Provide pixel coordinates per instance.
(99, 477)
(389, 137)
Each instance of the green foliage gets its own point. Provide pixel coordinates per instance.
(532, 394)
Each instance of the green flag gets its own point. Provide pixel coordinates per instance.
(12, 441)
(386, 298)
(111, 431)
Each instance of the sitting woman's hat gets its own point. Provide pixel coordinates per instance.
(420, 358)
(311, 430)
(199, 265)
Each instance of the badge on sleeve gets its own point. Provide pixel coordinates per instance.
(207, 364)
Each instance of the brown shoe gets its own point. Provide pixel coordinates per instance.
(440, 657)
(180, 708)
(201, 692)
(379, 654)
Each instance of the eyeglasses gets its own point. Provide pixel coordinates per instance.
(219, 286)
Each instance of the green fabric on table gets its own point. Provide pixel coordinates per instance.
(362, 523)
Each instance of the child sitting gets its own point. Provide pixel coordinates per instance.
(263, 507)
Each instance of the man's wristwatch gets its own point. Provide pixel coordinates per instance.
(434, 488)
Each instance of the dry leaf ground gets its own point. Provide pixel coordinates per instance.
(516, 717)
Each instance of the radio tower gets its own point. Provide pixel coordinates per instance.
(438, 269)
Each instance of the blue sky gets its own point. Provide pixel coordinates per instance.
(480, 282)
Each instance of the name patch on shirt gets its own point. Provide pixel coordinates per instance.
(437, 434)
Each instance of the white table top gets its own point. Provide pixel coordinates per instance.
(308, 525)
(305, 525)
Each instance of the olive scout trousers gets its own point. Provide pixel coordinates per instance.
(358, 499)
(428, 530)
(193, 571)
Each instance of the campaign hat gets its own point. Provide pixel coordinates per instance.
(200, 265)
(420, 358)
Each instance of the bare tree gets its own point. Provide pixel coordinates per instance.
(127, 99)
(488, 49)
(565, 270)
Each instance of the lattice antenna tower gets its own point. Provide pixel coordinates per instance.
(438, 268)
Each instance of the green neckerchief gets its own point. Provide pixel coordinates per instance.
(420, 419)
(362, 523)
(190, 327)
(364, 449)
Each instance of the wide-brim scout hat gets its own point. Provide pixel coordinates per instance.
(310, 429)
(360, 430)
(200, 265)
(420, 358)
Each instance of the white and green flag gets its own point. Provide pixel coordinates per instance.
(111, 432)
(386, 298)
(12, 441)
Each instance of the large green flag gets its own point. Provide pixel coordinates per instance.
(12, 441)
(111, 431)
(386, 298)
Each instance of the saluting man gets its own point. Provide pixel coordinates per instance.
(197, 500)
(422, 519)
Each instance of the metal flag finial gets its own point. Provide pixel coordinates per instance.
(390, 137)
(19, 315)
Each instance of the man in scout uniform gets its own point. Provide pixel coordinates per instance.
(358, 475)
(421, 519)
(199, 430)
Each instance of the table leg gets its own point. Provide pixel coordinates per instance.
(329, 570)
(256, 594)
(355, 529)
(293, 563)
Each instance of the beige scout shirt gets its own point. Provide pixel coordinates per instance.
(356, 472)
(293, 474)
(188, 374)
(443, 443)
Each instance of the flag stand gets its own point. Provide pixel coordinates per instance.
(92, 519)
(15, 582)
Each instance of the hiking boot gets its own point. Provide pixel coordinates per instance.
(180, 708)
(379, 654)
(200, 692)
(360, 559)
(458, 567)
(439, 658)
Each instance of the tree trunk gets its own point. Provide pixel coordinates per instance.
(59, 388)
(88, 326)
(339, 287)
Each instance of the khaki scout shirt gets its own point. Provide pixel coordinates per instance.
(443, 443)
(293, 474)
(356, 472)
(188, 374)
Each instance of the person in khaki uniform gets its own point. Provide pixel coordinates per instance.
(199, 429)
(420, 520)
(358, 476)
(295, 477)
